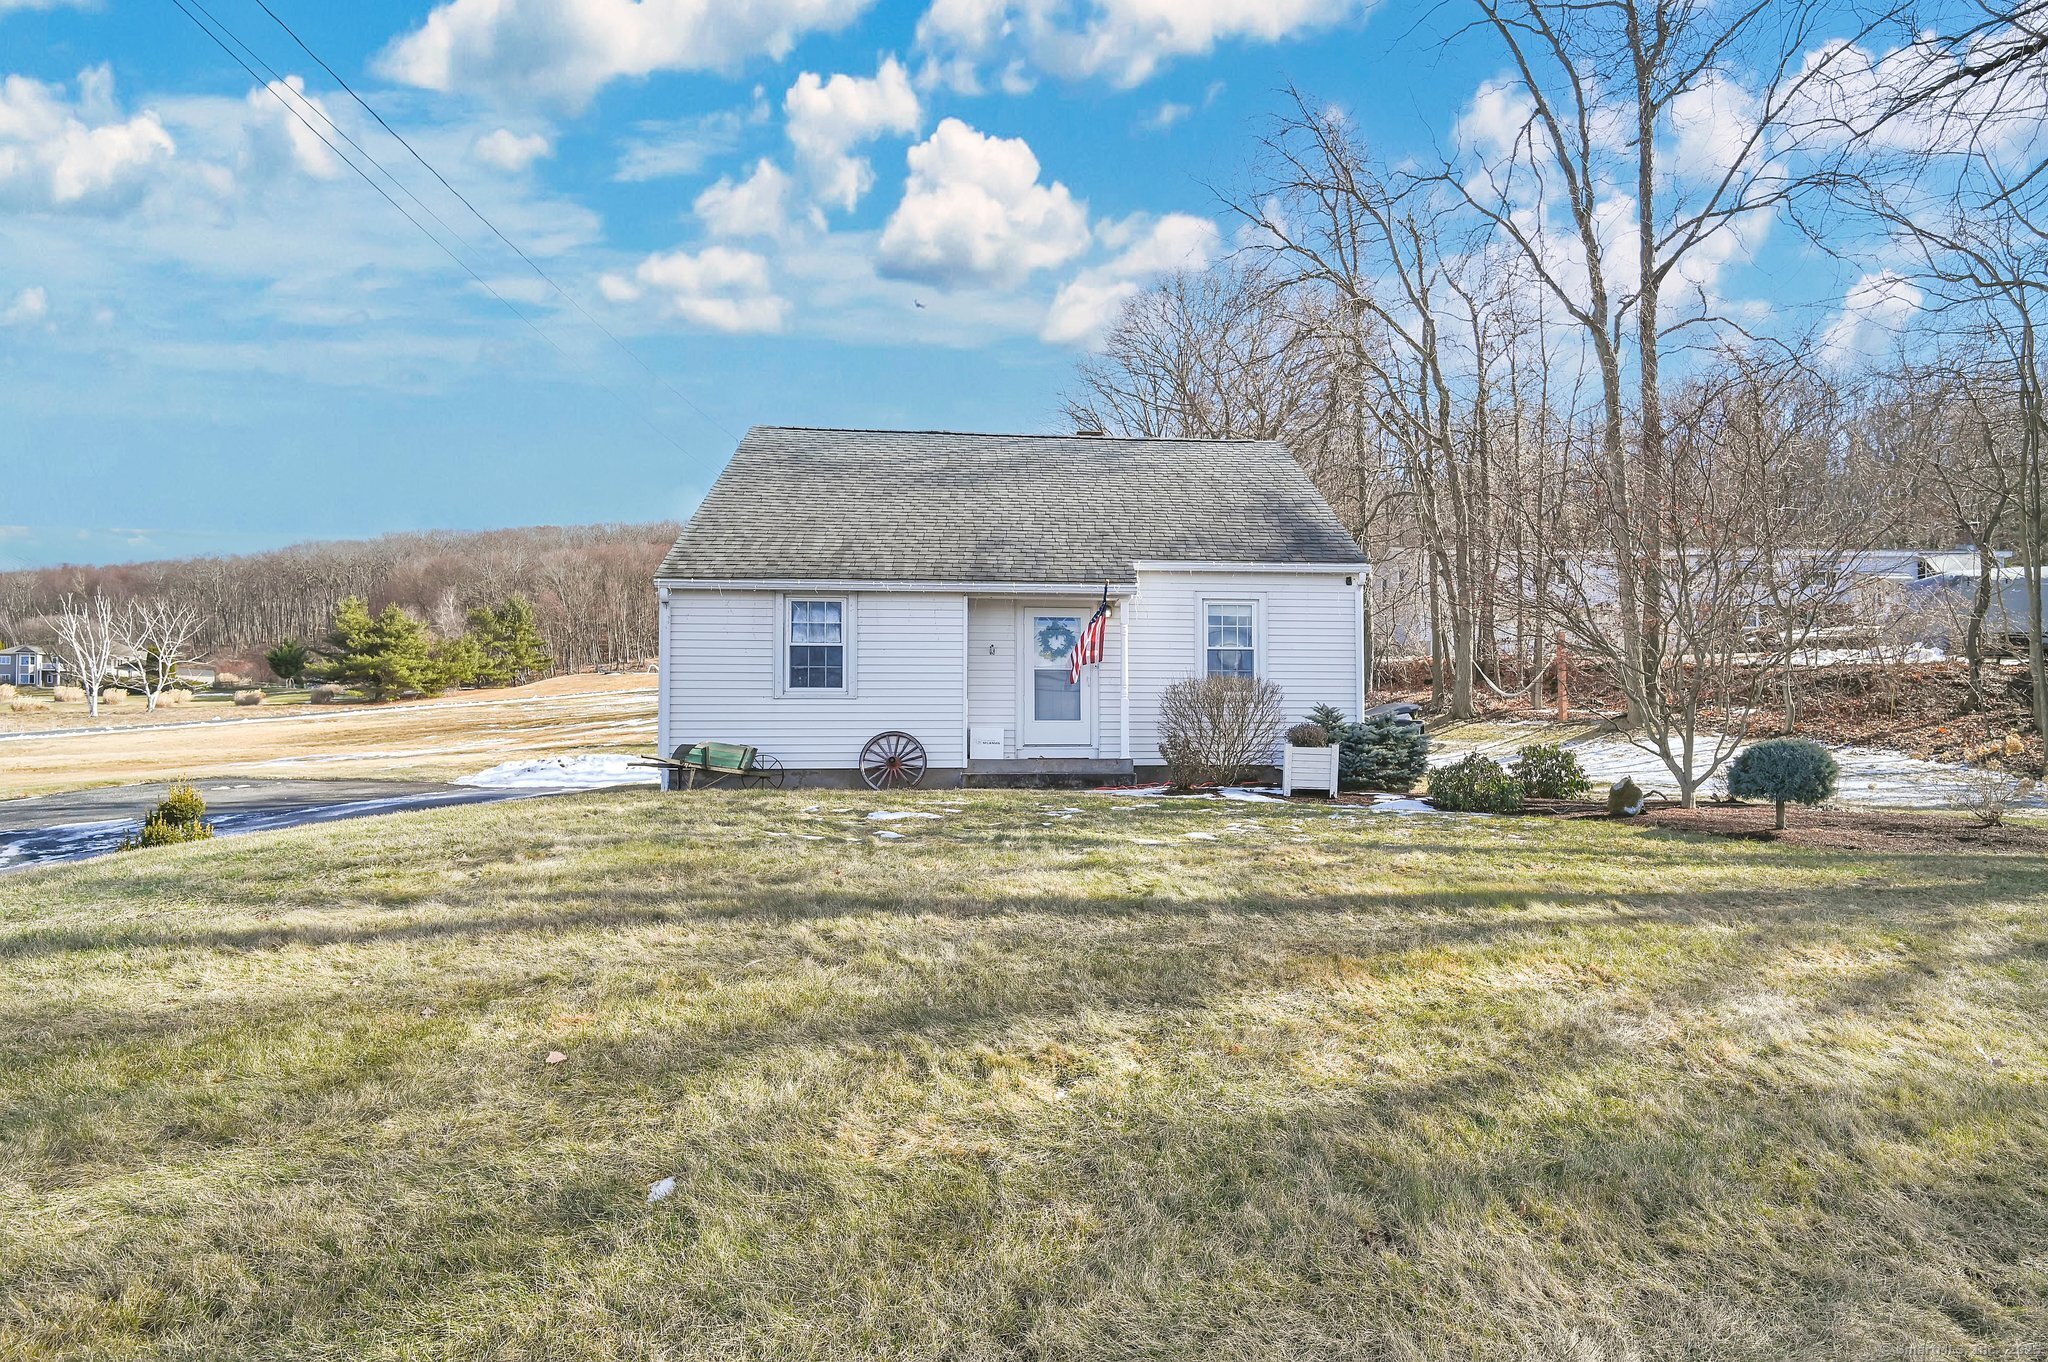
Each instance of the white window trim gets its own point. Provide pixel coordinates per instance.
(849, 635)
(1257, 601)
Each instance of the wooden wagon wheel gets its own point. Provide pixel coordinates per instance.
(767, 771)
(892, 759)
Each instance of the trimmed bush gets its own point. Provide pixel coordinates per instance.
(1547, 771)
(1475, 784)
(67, 694)
(176, 695)
(248, 697)
(1308, 735)
(112, 696)
(180, 818)
(326, 693)
(1213, 730)
(1784, 771)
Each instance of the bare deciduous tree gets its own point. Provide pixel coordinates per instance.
(94, 641)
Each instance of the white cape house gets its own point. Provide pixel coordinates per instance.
(836, 585)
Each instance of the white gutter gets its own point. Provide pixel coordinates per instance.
(871, 584)
(1170, 565)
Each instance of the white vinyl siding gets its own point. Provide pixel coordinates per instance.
(1306, 634)
(723, 660)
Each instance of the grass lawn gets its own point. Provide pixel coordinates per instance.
(1021, 1083)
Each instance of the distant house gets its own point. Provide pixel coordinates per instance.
(27, 665)
(839, 584)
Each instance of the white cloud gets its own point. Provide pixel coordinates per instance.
(1166, 115)
(56, 154)
(758, 206)
(283, 114)
(662, 149)
(973, 212)
(828, 118)
(510, 151)
(1874, 311)
(718, 287)
(1711, 123)
(30, 305)
(1146, 248)
(1125, 41)
(564, 51)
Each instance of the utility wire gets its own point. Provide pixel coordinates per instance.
(385, 194)
(531, 263)
(278, 79)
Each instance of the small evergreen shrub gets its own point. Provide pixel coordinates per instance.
(1393, 754)
(1475, 784)
(1381, 753)
(181, 817)
(1308, 735)
(326, 693)
(67, 694)
(1548, 771)
(1784, 771)
(248, 697)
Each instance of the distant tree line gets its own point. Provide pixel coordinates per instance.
(589, 589)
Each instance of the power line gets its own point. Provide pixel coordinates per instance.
(467, 268)
(531, 263)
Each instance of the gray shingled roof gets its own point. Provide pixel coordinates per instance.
(905, 506)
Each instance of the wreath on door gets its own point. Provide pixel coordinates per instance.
(1056, 639)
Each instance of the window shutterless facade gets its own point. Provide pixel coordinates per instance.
(1230, 638)
(815, 651)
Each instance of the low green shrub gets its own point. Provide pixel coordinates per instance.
(1548, 771)
(1784, 771)
(1475, 784)
(1308, 735)
(181, 817)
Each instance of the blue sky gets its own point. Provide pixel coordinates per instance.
(214, 338)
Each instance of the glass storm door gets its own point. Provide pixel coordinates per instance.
(1056, 710)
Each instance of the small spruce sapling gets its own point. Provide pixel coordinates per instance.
(1784, 771)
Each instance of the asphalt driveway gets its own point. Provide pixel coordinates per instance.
(68, 827)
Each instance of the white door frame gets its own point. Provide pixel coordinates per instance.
(1085, 738)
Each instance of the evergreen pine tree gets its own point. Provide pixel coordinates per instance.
(508, 636)
(1394, 753)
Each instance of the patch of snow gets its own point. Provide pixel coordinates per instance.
(892, 836)
(1401, 806)
(886, 815)
(661, 1190)
(563, 773)
(1201, 836)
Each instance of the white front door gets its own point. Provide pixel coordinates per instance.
(1057, 712)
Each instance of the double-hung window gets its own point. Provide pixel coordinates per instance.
(817, 644)
(1231, 647)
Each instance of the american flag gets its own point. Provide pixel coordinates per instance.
(1089, 649)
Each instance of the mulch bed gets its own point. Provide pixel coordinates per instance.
(1836, 829)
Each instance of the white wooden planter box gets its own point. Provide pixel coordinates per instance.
(1309, 768)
